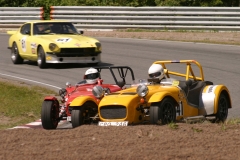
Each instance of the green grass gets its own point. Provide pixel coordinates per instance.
(20, 104)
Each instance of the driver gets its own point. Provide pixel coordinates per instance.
(156, 71)
(56, 28)
(91, 76)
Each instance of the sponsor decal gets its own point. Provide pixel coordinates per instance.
(77, 44)
(211, 89)
(33, 50)
(33, 47)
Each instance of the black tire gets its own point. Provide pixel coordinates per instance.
(77, 117)
(163, 113)
(50, 114)
(16, 58)
(41, 59)
(222, 111)
(82, 114)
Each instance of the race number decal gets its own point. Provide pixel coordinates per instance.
(23, 44)
(63, 39)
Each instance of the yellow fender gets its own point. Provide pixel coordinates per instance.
(79, 101)
(157, 97)
(219, 89)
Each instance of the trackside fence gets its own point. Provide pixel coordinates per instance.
(14, 17)
(163, 18)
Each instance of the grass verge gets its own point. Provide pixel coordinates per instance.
(20, 104)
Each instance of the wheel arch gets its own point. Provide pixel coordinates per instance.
(168, 96)
(222, 90)
(80, 101)
(159, 96)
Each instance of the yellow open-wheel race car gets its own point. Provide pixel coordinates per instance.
(178, 96)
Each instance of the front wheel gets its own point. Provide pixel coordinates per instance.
(222, 111)
(50, 114)
(77, 117)
(163, 113)
(82, 115)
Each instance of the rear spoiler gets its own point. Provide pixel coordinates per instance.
(11, 32)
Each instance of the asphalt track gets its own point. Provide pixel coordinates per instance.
(220, 63)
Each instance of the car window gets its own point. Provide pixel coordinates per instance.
(54, 28)
(25, 29)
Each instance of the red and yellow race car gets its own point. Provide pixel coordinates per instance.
(78, 104)
(181, 95)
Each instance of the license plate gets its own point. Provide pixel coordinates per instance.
(68, 118)
(124, 123)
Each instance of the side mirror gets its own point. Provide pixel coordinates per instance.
(81, 32)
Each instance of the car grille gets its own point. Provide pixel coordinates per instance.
(77, 52)
(113, 112)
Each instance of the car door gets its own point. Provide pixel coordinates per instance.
(25, 39)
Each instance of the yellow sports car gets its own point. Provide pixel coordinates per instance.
(50, 41)
(178, 96)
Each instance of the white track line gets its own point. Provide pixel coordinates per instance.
(30, 80)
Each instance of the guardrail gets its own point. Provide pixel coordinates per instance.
(13, 17)
(164, 18)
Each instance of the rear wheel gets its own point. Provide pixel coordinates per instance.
(50, 114)
(222, 111)
(81, 115)
(41, 61)
(163, 113)
(16, 58)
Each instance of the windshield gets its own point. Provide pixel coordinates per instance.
(54, 28)
(165, 81)
(137, 82)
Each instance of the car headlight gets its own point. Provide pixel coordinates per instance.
(53, 47)
(142, 90)
(98, 45)
(98, 91)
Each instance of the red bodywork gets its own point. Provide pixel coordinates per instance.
(82, 89)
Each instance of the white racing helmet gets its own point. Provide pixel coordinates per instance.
(156, 71)
(91, 75)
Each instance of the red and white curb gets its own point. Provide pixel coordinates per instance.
(33, 125)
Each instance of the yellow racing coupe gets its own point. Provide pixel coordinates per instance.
(180, 96)
(52, 41)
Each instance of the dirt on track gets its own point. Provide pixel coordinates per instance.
(205, 141)
(188, 141)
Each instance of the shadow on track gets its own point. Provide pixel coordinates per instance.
(67, 66)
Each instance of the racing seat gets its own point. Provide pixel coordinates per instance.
(195, 91)
(184, 85)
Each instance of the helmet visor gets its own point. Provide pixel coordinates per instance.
(92, 76)
(155, 75)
